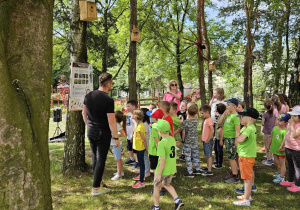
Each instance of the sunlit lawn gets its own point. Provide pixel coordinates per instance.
(74, 192)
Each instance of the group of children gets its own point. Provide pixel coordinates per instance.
(231, 125)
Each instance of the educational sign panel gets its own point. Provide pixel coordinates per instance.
(81, 83)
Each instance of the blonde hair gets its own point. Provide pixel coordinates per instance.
(170, 83)
(221, 93)
(139, 114)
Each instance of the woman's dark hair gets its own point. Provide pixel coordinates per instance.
(287, 100)
(146, 117)
(269, 106)
(120, 117)
(276, 100)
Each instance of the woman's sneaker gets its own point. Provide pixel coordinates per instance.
(279, 179)
(116, 177)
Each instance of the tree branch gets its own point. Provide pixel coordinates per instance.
(121, 66)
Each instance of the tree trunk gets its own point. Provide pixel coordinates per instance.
(200, 59)
(288, 10)
(25, 72)
(105, 40)
(132, 53)
(74, 149)
(294, 89)
(208, 56)
(178, 61)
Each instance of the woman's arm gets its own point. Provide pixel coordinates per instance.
(175, 95)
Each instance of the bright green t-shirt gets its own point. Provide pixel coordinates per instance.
(229, 125)
(167, 148)
(277, 138)
(248, 147)
(152, 146)
(176, 125)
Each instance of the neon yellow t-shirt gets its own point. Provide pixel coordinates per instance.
(137, 139)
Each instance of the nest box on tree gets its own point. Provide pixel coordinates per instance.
(212, 65)
(88, 10)
(135, 34)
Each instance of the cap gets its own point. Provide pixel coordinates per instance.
(233, 100)
(250, 112)
(284, 117)
(163, 126)
(295, 110)
(155, 113)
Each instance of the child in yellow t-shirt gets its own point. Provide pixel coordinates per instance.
(140, 145)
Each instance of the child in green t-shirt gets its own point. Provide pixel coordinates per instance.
(231, 131)
(176, 121)
(246, 148)
(166, 150)
(278, 133)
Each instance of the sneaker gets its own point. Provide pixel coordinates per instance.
(203, 170)
(279, 179)
(228, 176)
(178, 205)
(276, 175)
(135, 165)
(242, 203)
(137, 171)
(232, 180)
(130, 162)
(207, 173)
(287, 183)
(177, 148)
(189, 175)
(242, 190)
(99, 191)
(153, 207)
(182, 157)
(241, 197)
(137, 178)
(116, 177)
(293, 188)
(138, 185)
(197, 172)
(268, 163)
(264, 161)
(174, 175)
(217, 166)
(122, 173)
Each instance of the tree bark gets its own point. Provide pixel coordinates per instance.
(294, 89)
(288, 11)
(74, 149)
(200, 59)
(25, 72)
(105, 40)
(132, 54)
(207, 49)
(178, 62)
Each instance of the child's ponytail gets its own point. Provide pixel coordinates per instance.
(269, 107)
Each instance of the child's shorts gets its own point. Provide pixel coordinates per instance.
(129, 145)
(230, 148)
(165, 180)
(208, 148)
(153, 161)
(246, 167)
(117, 152)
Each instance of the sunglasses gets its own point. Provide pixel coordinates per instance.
(174, 85)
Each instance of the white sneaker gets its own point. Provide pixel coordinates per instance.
(116, 177)
(241, 197)
(241, 203)
(99, 191)
(122, 173)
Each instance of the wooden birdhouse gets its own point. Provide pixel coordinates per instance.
(212, 65)
(88, 10)
(135, 34)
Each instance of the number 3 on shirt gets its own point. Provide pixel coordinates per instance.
(172, 155)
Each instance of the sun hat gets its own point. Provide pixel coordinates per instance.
(284, 117)
(163, 126)
(233, 100)
(250, 112)
(155, 113)
(295, 110)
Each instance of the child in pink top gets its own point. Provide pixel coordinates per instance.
(207, 137)
(292, 150)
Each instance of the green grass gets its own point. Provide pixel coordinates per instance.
(74, 192)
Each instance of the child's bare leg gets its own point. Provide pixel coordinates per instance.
(233, 166)
(276, 161)
(282, 167)
(119, 166)
(252, 179)
(171, 190)
(156, 194)
(248, 187)
(209, 163)
(130, 154)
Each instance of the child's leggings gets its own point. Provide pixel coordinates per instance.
(293, 159)
(140, 156)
